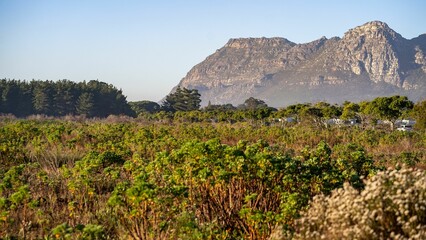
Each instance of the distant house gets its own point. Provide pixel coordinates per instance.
(352, 121)
(341, 122)
(408, 122)
(405, 124)
(405, 128)
(335, 121)
(287, 119)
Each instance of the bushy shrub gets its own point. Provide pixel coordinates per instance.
(392, 206)
(88, 232)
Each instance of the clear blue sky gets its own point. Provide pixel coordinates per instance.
(147, 47)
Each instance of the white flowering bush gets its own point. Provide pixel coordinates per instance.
(392, 206)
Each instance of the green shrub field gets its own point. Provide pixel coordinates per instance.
(170, 178)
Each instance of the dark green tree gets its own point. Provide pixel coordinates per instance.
(253, 103)
(329, 111)
(24, 106)
(311, 114)
(85, 105)
(350, 111)
(389, 108)
(259, 113)
(145, 106)
(15, 97)
(292, 111)
(42, 97)
(65, 98)
(121, 106)
(182, 99)
(219, 107)
(106, 99)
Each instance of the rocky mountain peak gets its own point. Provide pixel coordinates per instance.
(374, 30)
(370, 60)
(372, 49)
(258, 42)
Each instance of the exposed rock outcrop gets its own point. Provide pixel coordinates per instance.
(370, 60)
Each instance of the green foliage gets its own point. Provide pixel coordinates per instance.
(328, 110)
(62, 231)
(16, 98)
(93, 98)
(85, 104)
(91, 231)
(388, 108)
(244, 189)
(182, 99)
(184, 178)
(145, 107)
(253, 103)
(86, 232)
(354, 164)
(42, 98)
(419, 113)
(294, 110)
(219, 108)
(20, 196)
(350, 111)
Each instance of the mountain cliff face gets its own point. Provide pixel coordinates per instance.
(369, 61)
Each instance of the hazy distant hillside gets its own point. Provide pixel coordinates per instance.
(369, 61)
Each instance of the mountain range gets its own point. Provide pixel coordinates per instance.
(368, 61)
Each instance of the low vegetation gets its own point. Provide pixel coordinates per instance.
(222, 172)
(134, 178)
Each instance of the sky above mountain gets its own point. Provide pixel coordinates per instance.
(146, 47)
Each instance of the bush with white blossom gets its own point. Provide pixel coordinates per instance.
(392, 206)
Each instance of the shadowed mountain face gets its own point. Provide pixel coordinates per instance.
(369, 61)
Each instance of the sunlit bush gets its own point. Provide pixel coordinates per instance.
(392, 206)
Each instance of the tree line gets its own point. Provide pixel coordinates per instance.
(184, 105)
(99, 99)
(186, 100)
(60, 98)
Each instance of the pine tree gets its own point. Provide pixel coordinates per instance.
(182, 99)
(85, 105)
(42, 102)
(65, 98)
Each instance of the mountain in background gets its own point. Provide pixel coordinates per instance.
(369, 61)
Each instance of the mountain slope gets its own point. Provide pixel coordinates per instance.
(369, 61)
